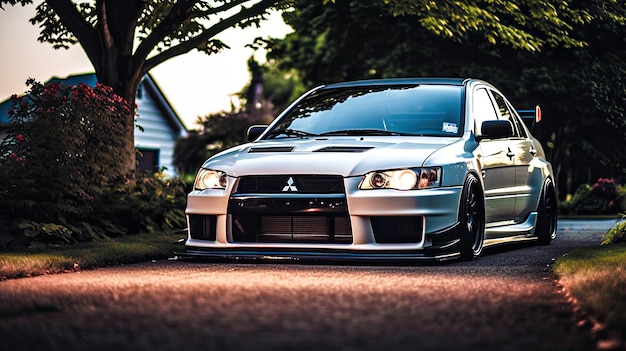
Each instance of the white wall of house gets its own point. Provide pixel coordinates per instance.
(157, 134)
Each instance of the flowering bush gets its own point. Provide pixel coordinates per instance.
(603, 197)
(60, 152)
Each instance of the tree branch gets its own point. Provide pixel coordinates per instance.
(180, 12)
(209, 33)
(74, 22)
(227, 6)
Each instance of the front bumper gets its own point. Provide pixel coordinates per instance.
(356, 224)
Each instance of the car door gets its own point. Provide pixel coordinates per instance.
(527, 181)
(497, 163)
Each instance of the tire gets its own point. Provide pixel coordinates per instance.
(545, 228)
(471, 219)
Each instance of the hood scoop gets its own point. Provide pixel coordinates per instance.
(345, 149)
(271, 149)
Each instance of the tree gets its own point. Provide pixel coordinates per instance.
(579, 87)
(126, 39)
(527, 24)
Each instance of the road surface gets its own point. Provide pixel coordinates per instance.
(506, 300)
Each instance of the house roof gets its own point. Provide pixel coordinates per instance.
(151, 87)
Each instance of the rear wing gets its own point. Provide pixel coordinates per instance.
(531, 114)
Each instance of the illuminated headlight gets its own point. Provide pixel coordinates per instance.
(403, 179)
(210, 179)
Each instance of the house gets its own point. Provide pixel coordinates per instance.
(161, 125)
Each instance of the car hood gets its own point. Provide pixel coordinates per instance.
(346, 156)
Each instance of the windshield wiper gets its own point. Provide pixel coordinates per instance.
(290, 133)
(361, 132)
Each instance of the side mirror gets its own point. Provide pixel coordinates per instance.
(254, 132)
(496, 129)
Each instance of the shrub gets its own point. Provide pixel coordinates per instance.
(603, 197)
(149, 203)
(60, 151)
(617, 233)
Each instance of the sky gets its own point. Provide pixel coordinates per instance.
(195, 84)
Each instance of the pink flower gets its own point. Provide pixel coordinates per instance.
(19, 137)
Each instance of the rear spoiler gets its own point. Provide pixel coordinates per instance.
(535, 114)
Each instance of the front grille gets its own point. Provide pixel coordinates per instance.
(397, 229)
(289, 229)
(202, 227)
(303, 184)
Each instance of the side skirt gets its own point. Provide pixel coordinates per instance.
(512, 233)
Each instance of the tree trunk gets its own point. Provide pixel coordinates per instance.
(114, 64)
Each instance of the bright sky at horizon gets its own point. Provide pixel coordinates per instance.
(195, 84)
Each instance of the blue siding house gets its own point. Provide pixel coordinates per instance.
(161, 125)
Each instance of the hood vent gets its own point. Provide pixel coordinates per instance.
(345, 149)
(271, 149)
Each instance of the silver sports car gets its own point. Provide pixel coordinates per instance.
(393, 169)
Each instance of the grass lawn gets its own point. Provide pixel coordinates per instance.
(596, 279)
(128, 249)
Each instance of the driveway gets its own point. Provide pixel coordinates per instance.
(506, 300)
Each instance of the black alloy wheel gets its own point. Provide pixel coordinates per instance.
(471, 219)
(546, 214)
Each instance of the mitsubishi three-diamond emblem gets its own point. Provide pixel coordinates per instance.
(291, 185)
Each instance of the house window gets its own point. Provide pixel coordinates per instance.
(139, 95)
(148, 159)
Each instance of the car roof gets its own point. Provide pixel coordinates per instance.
(400, 81)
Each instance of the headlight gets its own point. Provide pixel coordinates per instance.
(403, 179)
(210, 179)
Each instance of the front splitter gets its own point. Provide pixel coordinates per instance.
(318, 255)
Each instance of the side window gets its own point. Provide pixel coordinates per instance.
(506, 113)
(519, 123)
(482, 109)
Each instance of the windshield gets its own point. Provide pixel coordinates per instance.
(417, 110)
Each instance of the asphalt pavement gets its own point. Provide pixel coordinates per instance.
(509, 299)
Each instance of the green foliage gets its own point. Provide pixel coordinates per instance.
(526, 24)
(149, 203)
(167, 23)
(603, 197)
(616, 234)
